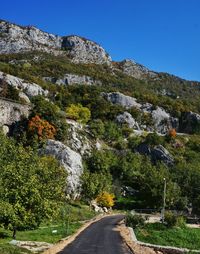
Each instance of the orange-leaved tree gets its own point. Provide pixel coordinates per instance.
(172, 133)
(41, 128)
(105, 199)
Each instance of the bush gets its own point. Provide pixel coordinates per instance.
(173, 220)
(105, 199)
(180, 222)
(134, 220)
(78, 112)
(170, 219)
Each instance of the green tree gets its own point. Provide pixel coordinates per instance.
(31, 187)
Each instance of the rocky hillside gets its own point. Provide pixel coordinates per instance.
(15, 39)
(113, 126)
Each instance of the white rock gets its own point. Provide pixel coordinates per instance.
(70, 79)
(5, 129)
(128, 119)
(136, 70)
(24, 97)
(30, 89)
(15, 39)
(71, 161)
(11, 112)
(121, 99)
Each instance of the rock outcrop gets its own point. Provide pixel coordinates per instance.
(17, 39)
(82, 50)
(162, 120)
(136, 70)
(121, 99)
(71, 79)
(70, 160)
(11, 112)
(157, 153)
(77, 138)
(29, 89)
(190, 122)
(126, 118)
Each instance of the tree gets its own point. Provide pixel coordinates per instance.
(41, 128)
(105, 199)
(95, 183)
(172, 133)
(31, 187)
(78, 112)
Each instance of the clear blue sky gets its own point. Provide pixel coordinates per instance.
(163, 35)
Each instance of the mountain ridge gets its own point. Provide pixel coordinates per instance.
(78, 48)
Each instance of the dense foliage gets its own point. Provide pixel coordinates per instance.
(117, 168)
(31, 187)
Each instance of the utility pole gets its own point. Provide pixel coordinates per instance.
(164, 202)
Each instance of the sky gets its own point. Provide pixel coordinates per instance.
(163, 35)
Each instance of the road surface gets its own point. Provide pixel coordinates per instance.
(100, 237)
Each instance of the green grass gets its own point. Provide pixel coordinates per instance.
(72, 219)
(161, 235)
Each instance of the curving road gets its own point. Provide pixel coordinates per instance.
(100, 237)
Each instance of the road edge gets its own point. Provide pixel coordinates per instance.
(56, 248)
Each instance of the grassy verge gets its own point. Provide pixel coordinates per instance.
(70, 221)
(161, 235)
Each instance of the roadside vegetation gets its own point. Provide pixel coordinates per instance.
(162, 235)
(116, 176)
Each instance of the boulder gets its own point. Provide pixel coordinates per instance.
(126, 118)
(29, 89)
(71, 161)
(5, 129)
(190, 122)
(11, 112)
(157, 153)
(121, 99)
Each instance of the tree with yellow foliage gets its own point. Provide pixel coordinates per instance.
(78, 112)
(105, 199)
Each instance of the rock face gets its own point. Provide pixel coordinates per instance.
(190, 122)
(136, 70)
(71, 161)
(17, 39)
(85, 51)
(70, 79)
(127, 119)
(121, 99)
(11, 112)
(157, 153)
(77, 138)
(161, 119)
(29, 89)
(160, 153)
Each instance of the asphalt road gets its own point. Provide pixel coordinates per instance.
(100, 237)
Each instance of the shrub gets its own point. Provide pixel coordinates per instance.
(154, 139)
(134, 220)
(180, 222)
(42, 128)
(105, 199)
(172, 133)
(78, 112)
(170, 219)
